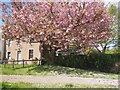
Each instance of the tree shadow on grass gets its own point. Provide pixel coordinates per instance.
(59, 70)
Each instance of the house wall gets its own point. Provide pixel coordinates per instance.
(24, 48)
(2, 47)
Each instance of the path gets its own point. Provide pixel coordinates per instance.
(57, 79)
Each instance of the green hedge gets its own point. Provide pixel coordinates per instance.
(101, 62)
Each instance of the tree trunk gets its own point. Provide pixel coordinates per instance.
(104, 49)
(97, 49)
(52, 56)
(41, 53)
(47, 54)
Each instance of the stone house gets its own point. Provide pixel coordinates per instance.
(2, 47)
(23, 51)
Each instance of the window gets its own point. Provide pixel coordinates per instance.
(9, 43)
(9, 55)
(31, 54)
(19, 55)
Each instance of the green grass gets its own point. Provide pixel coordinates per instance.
(6, 85)
(45, 70)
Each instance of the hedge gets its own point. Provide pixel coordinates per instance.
(101, 62)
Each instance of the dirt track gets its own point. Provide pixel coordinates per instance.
(57, 79)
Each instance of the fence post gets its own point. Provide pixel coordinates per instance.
(23, 62)
(4, 63)
(13, 64)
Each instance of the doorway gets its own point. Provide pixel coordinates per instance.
(19, 58)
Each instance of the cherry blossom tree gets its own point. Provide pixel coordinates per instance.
(57, 24)
(104, 44)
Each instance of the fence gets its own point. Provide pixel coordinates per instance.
(4, 62)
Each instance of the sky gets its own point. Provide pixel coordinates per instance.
(111, 0)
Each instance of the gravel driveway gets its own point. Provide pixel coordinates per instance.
(57, 79)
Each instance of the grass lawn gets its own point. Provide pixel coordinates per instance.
(45, 70)
(6, 85)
